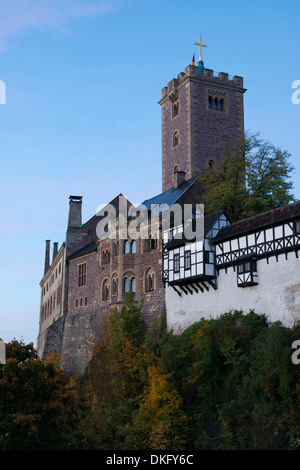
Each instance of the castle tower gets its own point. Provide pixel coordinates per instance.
(201, 112)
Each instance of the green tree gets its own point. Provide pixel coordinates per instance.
(252, 177)
(40, 407)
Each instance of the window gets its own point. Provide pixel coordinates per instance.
(129, 284)
(211, 163)
(297, 227)
(150, 244)
(175, 109)
(247, 273)
(175, 139)
(81, 302)
(149, 281)
(176, 263)
(115, 250)
(187, 260)
(76, 303)
(129, 247)
(82, 275)
(105, 290)
(216, 102)
(85, 301)
(126, 285)
(114, 286)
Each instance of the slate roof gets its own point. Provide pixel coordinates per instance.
(171, 196)
(85, 250)
(264, 220)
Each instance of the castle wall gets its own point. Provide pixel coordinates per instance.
(277, 295)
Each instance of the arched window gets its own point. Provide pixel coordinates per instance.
(149, 281)
(105, 290)
(221, 104)
(126, 285)
(175, 139)
(114, 286)
(216, 103)
(126, 247)
(133, 285)
(211, 163)
(175, 109)
(210, 102)
(133, 246)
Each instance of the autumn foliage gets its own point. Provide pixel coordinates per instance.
(225, 383)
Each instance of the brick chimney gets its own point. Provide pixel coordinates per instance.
(75, 211)
(55, 250)
(47, 256)
(179, 177)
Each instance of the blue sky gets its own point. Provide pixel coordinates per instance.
(83, 80)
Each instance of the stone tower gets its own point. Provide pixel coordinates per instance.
(201, 112)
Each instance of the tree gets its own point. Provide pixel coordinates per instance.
(40, 407)
(252, 178)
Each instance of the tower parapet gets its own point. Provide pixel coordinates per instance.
(201, 113)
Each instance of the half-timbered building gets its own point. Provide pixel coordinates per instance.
(249, 265)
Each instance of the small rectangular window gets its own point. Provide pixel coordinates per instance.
(76, 303)
(297, 227)
(85, 301)
(82, 275)
(187, 260)
(247, 273)
(176, 263)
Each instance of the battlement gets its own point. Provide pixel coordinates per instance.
(207, 76)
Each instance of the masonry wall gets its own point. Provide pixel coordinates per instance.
(203, 131)
(277, 295)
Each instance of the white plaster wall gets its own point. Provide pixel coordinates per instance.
(277, 295)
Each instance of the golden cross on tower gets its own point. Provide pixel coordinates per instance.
(200, 44)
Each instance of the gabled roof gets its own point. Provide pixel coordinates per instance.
(264, 220)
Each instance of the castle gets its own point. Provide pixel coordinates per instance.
(91, 272)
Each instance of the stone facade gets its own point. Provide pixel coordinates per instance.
(96, 270)
(201, 113)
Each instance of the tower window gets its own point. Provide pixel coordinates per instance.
(175, 139)
(175, 109)
(211, 163)
(217, 100)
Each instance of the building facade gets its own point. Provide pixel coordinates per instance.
(91, 272)
(249, 265)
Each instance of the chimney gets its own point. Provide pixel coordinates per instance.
(55, 250)
(47, 256)
(75, 211)
(179, 177)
